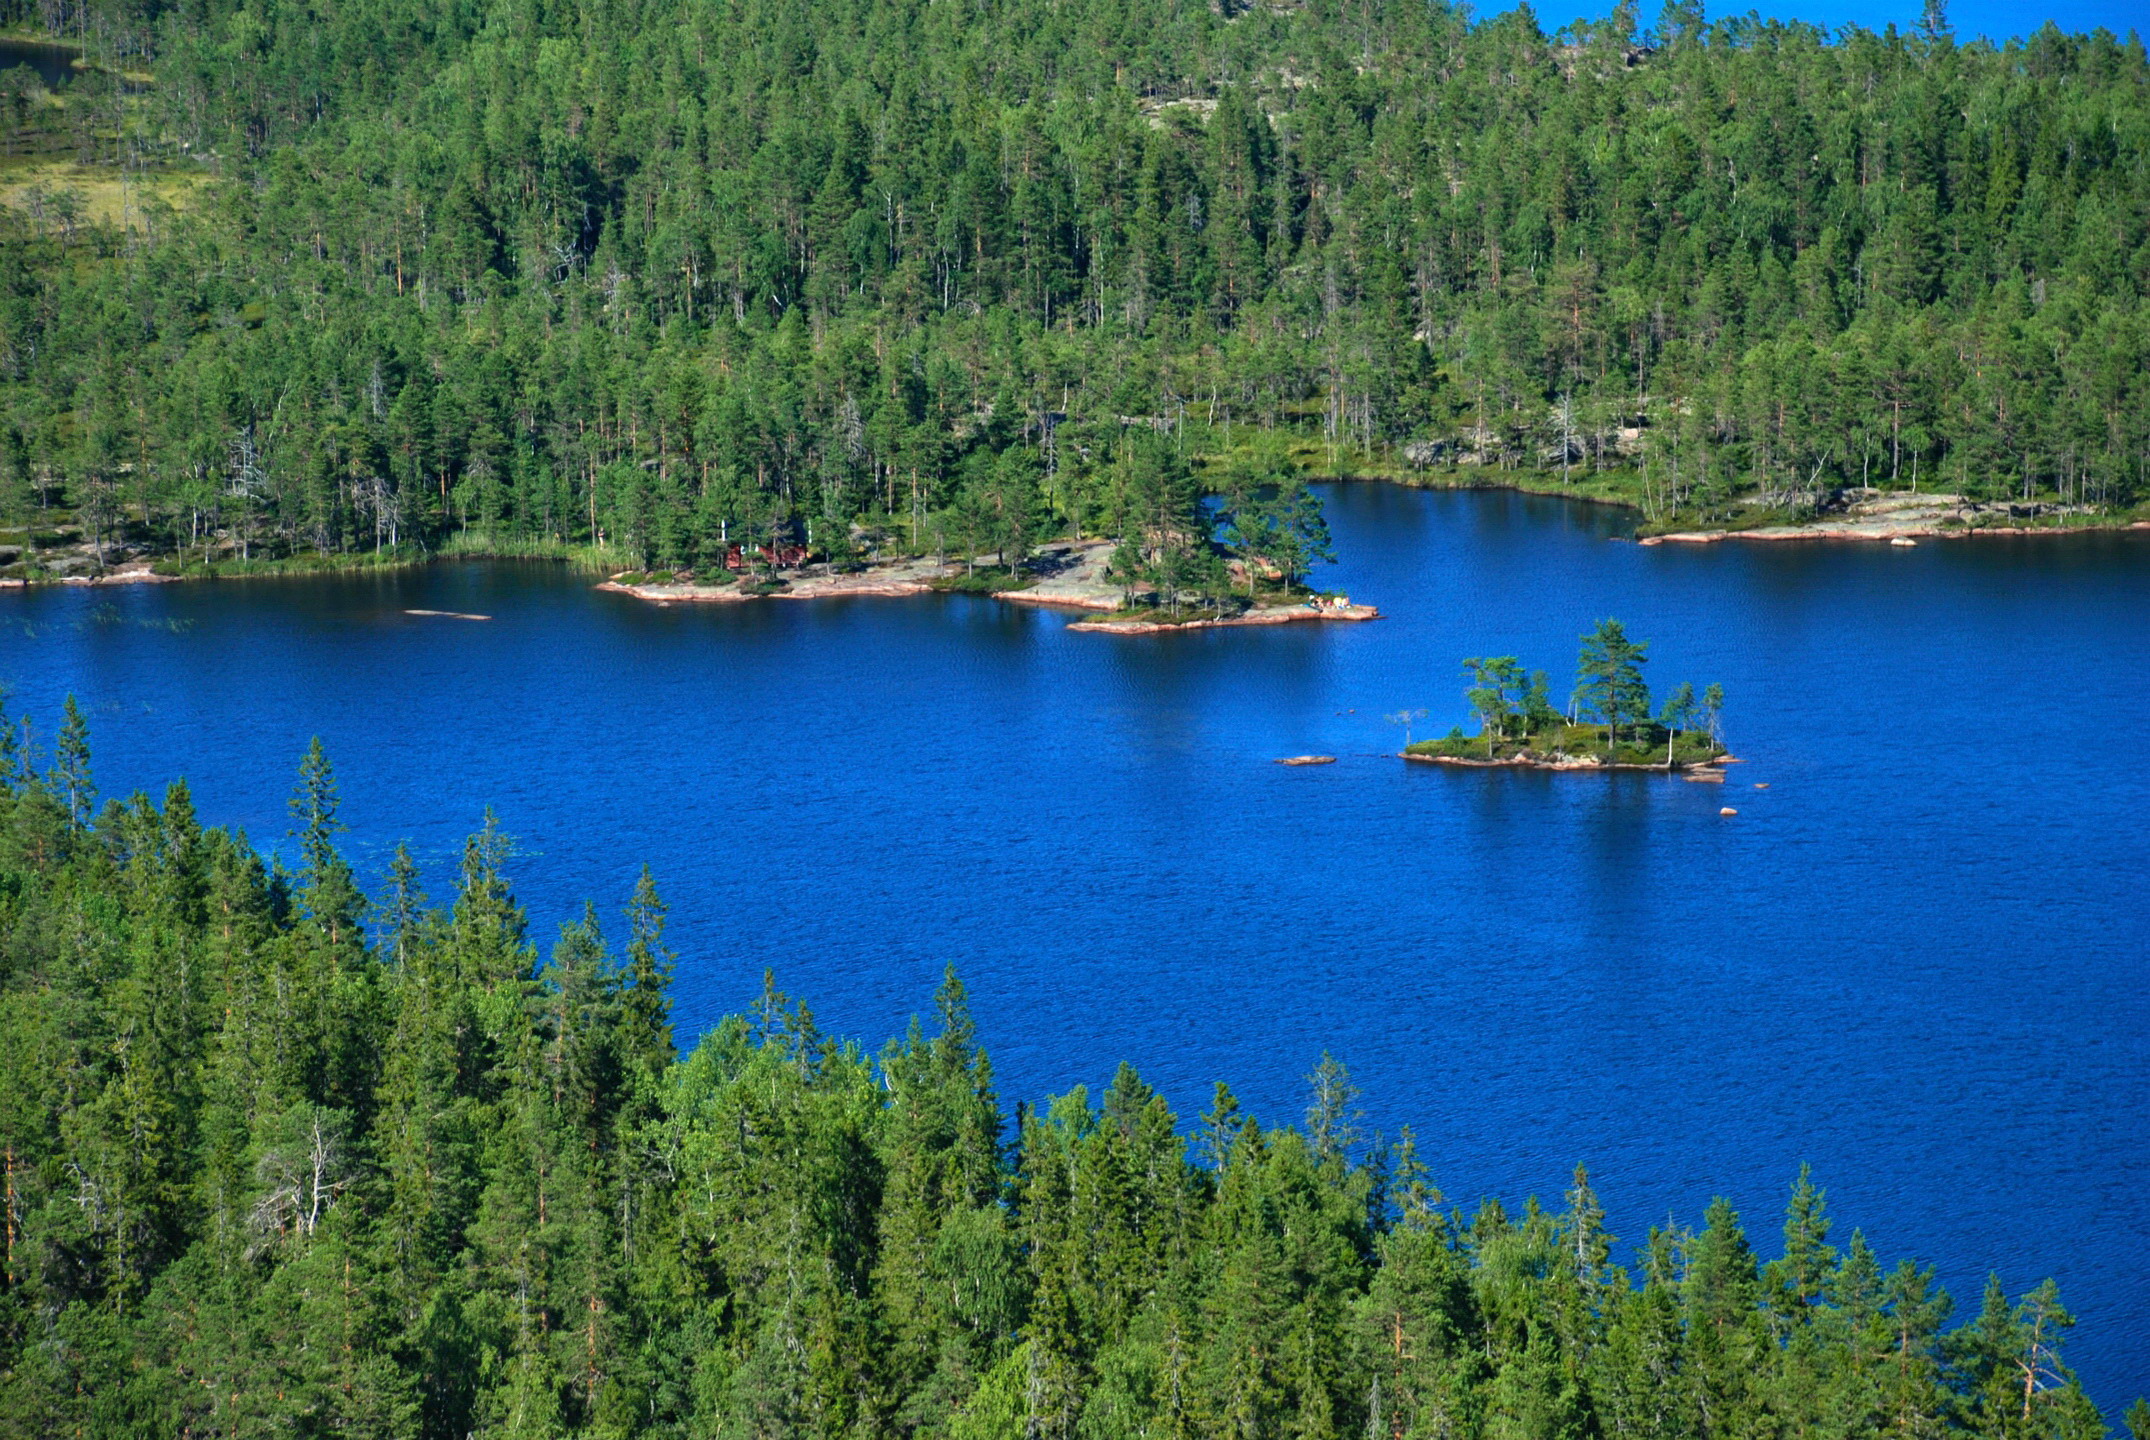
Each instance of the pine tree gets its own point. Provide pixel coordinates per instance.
(646, 1006)
(331, 892)
(70, 775)
(1609, 684)
(1725, 1339)
(1801, 1277)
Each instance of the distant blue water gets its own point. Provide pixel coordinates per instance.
(1998, 21)
(1917, 960)
(1995, 21)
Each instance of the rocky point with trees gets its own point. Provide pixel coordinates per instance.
(1609, 721)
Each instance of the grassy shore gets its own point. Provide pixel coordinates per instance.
(306, 562)
(463, 545)
(1623, 488)
(477, 545)
(1574, 747)
(57, 561)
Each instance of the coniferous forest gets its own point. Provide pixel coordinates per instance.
(647, 278)
(285, 1160)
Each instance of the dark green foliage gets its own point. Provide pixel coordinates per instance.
(70, 780)
(1272, 524)
(1608, 679)
(668, 278)
(264, 1178)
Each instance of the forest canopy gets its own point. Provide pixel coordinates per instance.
(648, 275)
(283, 1160)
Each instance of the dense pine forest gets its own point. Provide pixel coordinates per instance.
(283, 1160)
(651, 277)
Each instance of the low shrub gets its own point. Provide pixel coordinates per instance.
(982, 582)
(1576, 741)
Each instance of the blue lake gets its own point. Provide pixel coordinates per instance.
(1916, 960)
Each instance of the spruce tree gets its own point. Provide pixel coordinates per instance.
(70, 775)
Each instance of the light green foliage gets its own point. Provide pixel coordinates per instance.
(1713, 712)
(1679, 714)
(265, 1179)
(1680, 710)
(70, 779)
(1496, 692)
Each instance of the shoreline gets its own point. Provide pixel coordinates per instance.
(1072, 578)
(1262, 615)
(141, 571)
(132, 574)
(1861, 520)
(1694, 770)
(1887, 535)
(1883, 516)
(812, 589)
(1902, 519)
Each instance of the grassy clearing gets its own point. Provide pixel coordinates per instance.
(51, 537)
(982, 582)
(53, 192)
(713, 579)
(1605, 487)
(1727, 519)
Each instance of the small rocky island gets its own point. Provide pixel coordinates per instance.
(1609, 723)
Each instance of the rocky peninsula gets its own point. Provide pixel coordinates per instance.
(1904, 520)
(1071, 576)
(1151, 623)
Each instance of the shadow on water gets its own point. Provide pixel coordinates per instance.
(1488, 511)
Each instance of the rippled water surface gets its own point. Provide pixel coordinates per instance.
(1916, 960)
